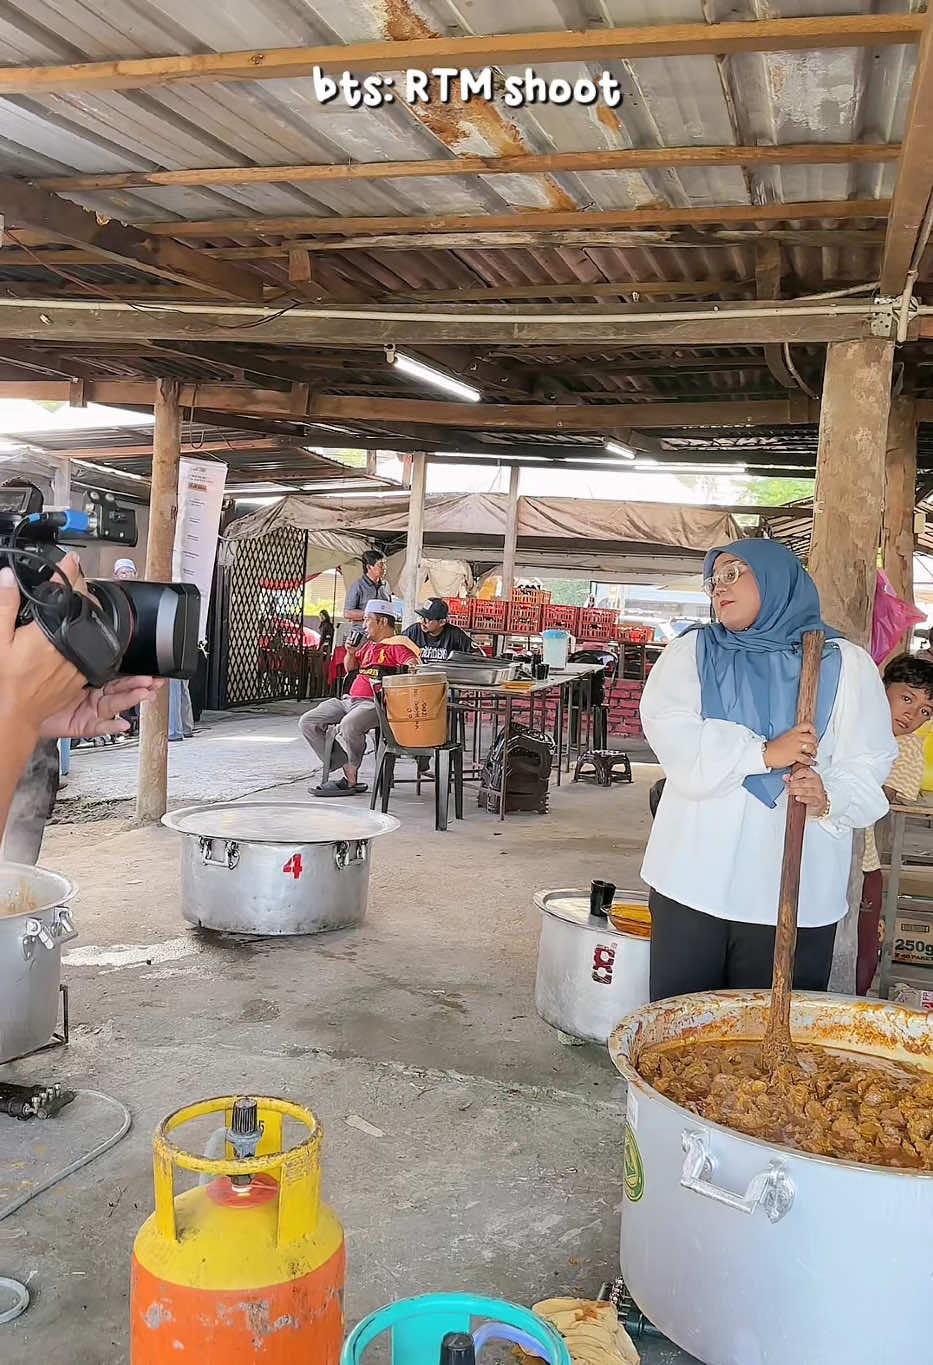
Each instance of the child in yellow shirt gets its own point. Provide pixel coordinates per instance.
(908, 681)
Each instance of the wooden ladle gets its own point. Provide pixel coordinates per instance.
(777, 1046)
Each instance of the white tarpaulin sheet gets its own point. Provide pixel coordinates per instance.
(477, 517)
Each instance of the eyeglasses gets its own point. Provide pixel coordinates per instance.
(725, 578)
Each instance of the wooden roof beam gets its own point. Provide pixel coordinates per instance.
(561, 418)
(11, 258)
(914, 184)
(833, 209)
(553, 163)
(597, 289)
(23, 205)
(472, 50)
(678, 324)
(475, 416)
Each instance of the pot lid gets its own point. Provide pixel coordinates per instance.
(27, 890)
(573, 906)
(280, 822)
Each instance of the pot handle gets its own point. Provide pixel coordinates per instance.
(230, 857)
(342, 857)
(65, 929)
(35, 932)
(772, 1190)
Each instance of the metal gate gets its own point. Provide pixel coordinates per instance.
(258, 620)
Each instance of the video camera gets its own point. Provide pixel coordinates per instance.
(125, 627)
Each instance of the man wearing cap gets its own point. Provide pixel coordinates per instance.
(435, 636)
(355, 714)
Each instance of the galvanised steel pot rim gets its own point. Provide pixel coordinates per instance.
(27, 872)
(286, 822)
(818, 999)
(543, 901)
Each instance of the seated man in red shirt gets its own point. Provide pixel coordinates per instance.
(354, 715)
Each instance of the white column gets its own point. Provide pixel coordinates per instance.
(511, 532)
(412, 572)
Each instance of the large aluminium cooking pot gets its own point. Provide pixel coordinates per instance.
(33, 926)
(269, 867)
(748, 1253)
(589, 972)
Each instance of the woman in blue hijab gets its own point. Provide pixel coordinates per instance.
(719, 710)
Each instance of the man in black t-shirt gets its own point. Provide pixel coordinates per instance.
(435, 636)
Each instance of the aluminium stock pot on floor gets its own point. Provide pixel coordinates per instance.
(34, 923)
(745, 1252)
(272, 867)
(590, 971)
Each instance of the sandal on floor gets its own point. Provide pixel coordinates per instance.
(340, 787)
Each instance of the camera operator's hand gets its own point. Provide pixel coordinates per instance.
(35, 680)
(98, 710)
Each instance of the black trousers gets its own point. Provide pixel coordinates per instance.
(691, 951)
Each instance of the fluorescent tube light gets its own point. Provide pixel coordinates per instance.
(415, 369)
(616, 448)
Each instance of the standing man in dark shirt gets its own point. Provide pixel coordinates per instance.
(435, 636)
(371, 584)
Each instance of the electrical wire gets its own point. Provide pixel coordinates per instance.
(80, 1162)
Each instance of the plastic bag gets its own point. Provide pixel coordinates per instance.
(893, 617)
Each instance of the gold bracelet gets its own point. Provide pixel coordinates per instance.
(827, 809)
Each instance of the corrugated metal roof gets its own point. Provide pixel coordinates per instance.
(841, 95)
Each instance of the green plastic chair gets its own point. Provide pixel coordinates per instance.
(417, 1328)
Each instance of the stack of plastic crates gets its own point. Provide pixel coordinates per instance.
(597, 623)
(460, 611)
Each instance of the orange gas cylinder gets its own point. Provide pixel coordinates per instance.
(248, 1267)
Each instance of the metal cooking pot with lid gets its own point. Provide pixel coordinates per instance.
(272, 867)
(590, 973)
(746, 1252)
(34, 924)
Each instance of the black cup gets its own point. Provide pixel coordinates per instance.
(601, 898)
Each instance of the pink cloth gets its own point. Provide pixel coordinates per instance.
(892, 618)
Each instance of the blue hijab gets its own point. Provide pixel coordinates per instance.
(752, 676)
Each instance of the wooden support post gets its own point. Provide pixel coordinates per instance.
(850, 482)
(152, 785)
(900, 492)
(414, 545)
(511, 533)
(846, 536)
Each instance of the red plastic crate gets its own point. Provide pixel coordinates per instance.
(525, 617)
(490, 613)
(460, 611)
(561, 618)
(596, 623)
(534, 595)
(634, 635)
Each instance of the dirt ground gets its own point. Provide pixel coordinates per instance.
(489, 1154)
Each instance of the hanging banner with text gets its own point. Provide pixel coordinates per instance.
(200, 494)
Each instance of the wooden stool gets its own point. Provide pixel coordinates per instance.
(605, 767)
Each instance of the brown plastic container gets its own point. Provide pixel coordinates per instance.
(416, 705)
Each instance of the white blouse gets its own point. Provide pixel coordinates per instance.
(717, 848)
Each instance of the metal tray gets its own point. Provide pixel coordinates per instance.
(463, 672)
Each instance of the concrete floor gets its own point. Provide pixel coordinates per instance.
(498, 1168)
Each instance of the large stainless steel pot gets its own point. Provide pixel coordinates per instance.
(589, 974)
(267, 867)
(34, 924)
(749, 1253)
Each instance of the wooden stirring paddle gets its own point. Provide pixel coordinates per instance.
(777, 1046)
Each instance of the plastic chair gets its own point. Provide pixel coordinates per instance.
(448, 762)
(417, 1328)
